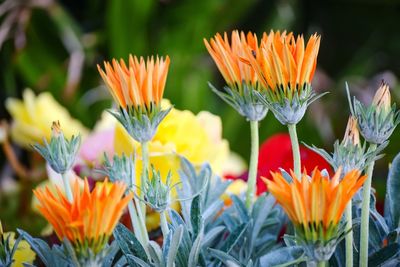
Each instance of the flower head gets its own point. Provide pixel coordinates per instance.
(378, 120)
(139, 84)
(284, 62)
(227, 55)
(138, 89)
(242, 81)
(89, 220)
(315, 204)
(285, 68)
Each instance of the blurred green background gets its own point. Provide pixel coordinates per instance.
(54, 46)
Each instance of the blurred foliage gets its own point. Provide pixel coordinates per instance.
(51, 45)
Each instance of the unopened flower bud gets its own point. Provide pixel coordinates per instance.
(382, 98)
(60, 153)
(352, 135)
(56, 129)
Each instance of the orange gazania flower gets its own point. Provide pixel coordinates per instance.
(283, 60)
(227, 56)
(140, 84)
(89, 220)
(316, 205)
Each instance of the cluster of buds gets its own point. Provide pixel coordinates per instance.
(156, 193)
(349, 154)
(60, 153)
(315, 206)
(138, 90)
(120, 169)
(378, 120)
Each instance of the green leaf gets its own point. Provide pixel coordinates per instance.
(195, 251)
(234, 237)
(222, 256)
(383, 255)
(129, 244)
(240, 208)
(392, 201)
(172, 247)
(195, 215)
(285, 256)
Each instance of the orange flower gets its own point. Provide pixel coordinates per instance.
(140, 84)
(89, 220)
(316, 205)
(227, 56)
(283, 61)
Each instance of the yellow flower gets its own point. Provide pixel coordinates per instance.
(89, 220)
(33, 116)
(23, 254)
(181, 133)
(316, 205)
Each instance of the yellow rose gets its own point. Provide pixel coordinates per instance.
(33, 116)
(181, 133)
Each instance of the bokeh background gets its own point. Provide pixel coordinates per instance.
(50, 45)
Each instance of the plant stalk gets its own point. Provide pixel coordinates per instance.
(251, 182)
(349, 236)
(67, 187)
(295, 149)
(366, 199)
(321, 264)
(164, 224)
(143, 177)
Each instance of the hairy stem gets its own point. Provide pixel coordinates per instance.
(164, 224)
(295, 150)
(251, 182)
(67, 187)
(366, 199)
(349, 236)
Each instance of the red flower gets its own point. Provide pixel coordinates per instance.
(276, 153)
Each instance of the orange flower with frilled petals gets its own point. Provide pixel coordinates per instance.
(227, 56)
(89, 220)
(139, 84)
(316, 205)
(284, 61)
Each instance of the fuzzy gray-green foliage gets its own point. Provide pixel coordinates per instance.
(60, 153)
(64, 255)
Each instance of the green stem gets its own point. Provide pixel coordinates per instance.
(144, 176)
(67, 187)
(321, 264)
(349, 236)
(295, 149)
(164, 224)
(365, 213)
(251, 182)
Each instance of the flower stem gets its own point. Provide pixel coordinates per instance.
(321, 264)
(295, 150)
(366, 198)
(67, 187)
(251, 182)
(349, 236)
(145, 168)
(164, 224)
